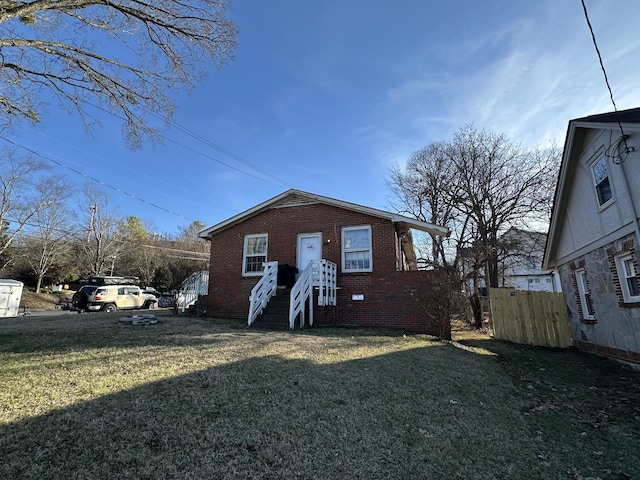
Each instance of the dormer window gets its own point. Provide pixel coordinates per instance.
(601, 180)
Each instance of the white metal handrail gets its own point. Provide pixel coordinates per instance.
(300, 293)
(263, 291)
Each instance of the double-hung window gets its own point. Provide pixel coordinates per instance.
(601, 181)
(626, 269)
(585, 295)
(356, 249)
(255, 254)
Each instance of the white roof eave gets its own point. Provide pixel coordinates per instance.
(395, 218)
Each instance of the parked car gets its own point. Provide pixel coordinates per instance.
(81, 297)
(109, 298)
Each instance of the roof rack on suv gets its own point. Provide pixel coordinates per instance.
(108, 280)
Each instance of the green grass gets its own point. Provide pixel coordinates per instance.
(88, 397)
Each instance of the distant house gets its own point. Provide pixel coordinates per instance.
(594, 232)
(521, 265)
(365, 255)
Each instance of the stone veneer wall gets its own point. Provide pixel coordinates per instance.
(615, 331)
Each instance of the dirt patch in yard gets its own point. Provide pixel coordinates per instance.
(43, 301)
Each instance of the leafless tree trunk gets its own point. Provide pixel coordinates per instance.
(421, 191)
(479, 185)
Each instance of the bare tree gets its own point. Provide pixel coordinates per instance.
(189, 237)
(47, 241)
(421, 190)
(479, 184)
(26, 190)
(499, 185)
(100, 222)
(126, 56)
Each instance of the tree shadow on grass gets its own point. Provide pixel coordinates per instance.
(425, 410)
(416, 413)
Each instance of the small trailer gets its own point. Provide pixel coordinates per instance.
(10, 294)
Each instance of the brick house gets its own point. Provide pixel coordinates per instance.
(376, 280)
(594, 231)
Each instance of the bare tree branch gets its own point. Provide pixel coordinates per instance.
(479, 184)
(126, 56)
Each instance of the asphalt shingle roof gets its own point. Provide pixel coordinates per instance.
(631, 115)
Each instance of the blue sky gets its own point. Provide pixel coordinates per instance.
(325, 96)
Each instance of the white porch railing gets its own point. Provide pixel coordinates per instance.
(196, 284)
(326, 282)
(321, 274)
(300, 293)
(263, 291)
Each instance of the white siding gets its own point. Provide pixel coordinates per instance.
(586, 225)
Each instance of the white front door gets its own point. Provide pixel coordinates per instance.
(309, 248)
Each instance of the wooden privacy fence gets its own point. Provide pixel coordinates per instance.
(534, 318)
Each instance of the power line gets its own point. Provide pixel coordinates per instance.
(222, 150)
(278, 181)
(137, 172)
(604, 72)
(202, 139)
(75, 234)
(119, 190)
(174, 250)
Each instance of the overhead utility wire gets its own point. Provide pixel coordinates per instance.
(280, 182)
(17, 144)
(606, 78)
(137, 172)
(74, 234)
(184, 129)
(221, 149)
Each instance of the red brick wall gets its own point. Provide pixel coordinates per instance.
(389, 295)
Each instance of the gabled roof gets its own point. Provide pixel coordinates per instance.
(297, 197)
(576, 132)
(624, 116)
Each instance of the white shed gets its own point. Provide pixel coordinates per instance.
(10, 294)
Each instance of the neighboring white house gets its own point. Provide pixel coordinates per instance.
(594, 232)
(520, 265)
(522, 262)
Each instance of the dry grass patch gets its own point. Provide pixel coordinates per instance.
(89, 397)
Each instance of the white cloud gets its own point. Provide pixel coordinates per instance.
(534, 76)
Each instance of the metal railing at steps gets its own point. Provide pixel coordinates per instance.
(321, 274)
(263, 291)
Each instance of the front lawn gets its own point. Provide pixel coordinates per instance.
(86, 396)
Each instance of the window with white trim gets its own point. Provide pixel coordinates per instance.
(255, 254)
(585, 295)
(356, 249)
(601, 180)
(626, 269)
